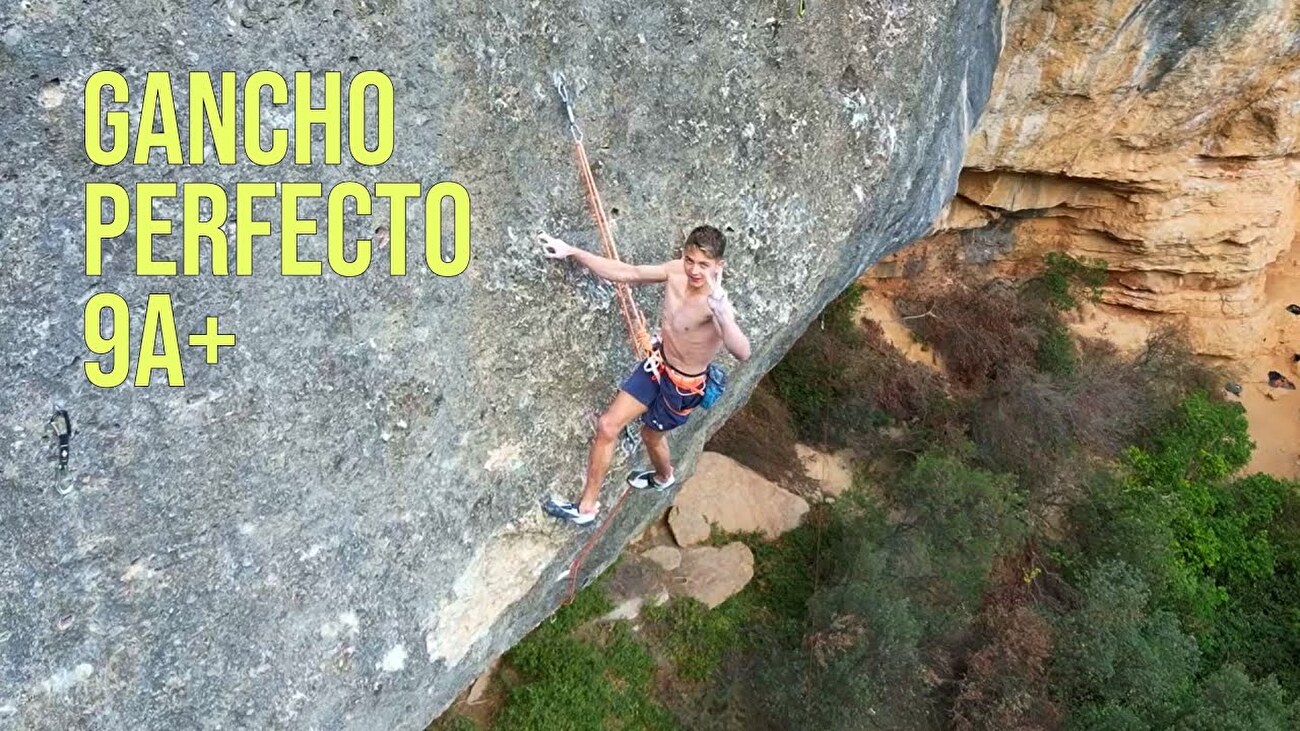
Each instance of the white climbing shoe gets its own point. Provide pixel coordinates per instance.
(646, 480)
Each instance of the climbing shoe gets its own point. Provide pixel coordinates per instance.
(645, 480)
(565, 510)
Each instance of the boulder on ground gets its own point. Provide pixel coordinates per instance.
(727, 494)
(711, 574)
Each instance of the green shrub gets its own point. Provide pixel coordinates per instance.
(1228, 700)
(788, 571)
(1118, 666)
(1063, 275)
(453, 722)
(696, 637)
(840, 389)
(581, 683)
(1057, 354)
(811, 380)
(840, 316)
(1260, 626)
(963, 517)
(1174, 517)
(858, 663)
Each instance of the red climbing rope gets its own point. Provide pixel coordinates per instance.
(637, 331)
(591, 543)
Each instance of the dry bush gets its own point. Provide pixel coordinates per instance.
(1022, 419)
(980, 332)
(1005, 686)
(1025, 425)
(842, 387)
(761, 436)
(1173, 372)
(1118, 401)
(909, 392)
(1047, 429)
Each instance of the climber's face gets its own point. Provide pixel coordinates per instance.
(699, 267)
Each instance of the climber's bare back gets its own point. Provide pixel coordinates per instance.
(690, 339)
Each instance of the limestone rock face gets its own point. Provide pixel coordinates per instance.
(1158, 136)
(729, 495)
(337, 525)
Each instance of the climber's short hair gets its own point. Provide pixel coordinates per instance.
(708, 240)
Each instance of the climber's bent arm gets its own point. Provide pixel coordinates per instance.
(618, 271)
(733, 338)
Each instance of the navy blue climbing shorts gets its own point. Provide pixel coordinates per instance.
(666, 407)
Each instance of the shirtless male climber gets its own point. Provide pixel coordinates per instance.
(696, 322)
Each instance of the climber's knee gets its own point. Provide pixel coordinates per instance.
(608, 427)
(625, 408)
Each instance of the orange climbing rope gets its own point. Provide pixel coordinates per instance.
(637, 331)
(636, 327)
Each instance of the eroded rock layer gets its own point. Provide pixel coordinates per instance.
(1160, 137)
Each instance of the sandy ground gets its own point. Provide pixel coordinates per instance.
(1272, 413)
(880, 308)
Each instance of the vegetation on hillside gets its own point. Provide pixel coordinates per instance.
(1050, 537)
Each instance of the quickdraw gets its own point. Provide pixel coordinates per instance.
(60, 424)
(637, 331)
(632, 317)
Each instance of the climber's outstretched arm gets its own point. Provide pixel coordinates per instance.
(611, 269)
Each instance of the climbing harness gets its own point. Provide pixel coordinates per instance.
(686, 385)
(710, 385)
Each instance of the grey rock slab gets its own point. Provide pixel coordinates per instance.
(337, 525)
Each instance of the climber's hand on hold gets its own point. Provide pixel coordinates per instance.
(553, 248)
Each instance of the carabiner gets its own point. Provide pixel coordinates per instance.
(563, 89)
(64, 434)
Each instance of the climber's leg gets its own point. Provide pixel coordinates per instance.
(609, 427)
(661, 477)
